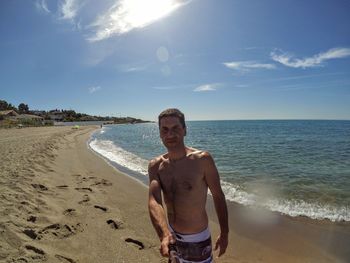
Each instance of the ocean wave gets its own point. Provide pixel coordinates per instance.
(292, 208)
(116, 154)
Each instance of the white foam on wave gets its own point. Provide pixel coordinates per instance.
(103, 129)
(291, 208)
(116, 154)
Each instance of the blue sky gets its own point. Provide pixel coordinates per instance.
(228, 59)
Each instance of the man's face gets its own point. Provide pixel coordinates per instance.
(171, 132)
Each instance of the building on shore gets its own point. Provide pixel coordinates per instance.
(5, 114)
(56, 115)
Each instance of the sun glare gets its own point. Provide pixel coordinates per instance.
(127, 15)
(141, 13)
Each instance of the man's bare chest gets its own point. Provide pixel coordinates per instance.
(183, 177)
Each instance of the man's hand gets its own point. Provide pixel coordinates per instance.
(164, 245)
(221, 242)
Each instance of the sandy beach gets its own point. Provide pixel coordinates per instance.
(61, 202)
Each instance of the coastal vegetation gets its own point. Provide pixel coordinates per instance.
(22, 115)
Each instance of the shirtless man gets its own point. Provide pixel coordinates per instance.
(184, 174)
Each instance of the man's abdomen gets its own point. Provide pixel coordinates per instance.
(188, 221)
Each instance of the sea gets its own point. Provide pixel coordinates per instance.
(295, 167)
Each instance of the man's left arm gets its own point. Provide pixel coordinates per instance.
(213, 180)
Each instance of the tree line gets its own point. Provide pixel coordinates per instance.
(66, 115)
(21, 109)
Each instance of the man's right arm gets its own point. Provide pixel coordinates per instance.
(156, 210)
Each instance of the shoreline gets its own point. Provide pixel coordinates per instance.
(60, 201)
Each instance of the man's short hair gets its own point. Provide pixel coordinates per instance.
(172, 113)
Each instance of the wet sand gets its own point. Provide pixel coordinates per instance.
(262, 236)
(61, 202)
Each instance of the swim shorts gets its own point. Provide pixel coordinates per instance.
(191, 248)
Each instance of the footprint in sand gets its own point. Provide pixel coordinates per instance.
(114, 224)
(59, 231)
(138, 243)
(104, 209)
(70, 212)
(25, 203)
(102, 182)
(94, 180)
(19, 260)
(30, 233)
(85, 200)
(62, 186)
(32, 219)
(40, 187)
(35, 250)
(84, 189)
(64, 259)
(80, 179)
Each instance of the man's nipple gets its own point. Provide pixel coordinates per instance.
(187, 186)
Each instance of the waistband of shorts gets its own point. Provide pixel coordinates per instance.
(197, 237)
(208, 260)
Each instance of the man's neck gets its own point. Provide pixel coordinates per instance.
(177, 153)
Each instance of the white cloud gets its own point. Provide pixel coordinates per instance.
(41, 5)
(69, 9)
(126, 15)
(134, 67)
(207, 87)
(309, 62)
(94, 89)
(247, 65)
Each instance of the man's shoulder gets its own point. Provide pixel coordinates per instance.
(200, 154)
(156, 161)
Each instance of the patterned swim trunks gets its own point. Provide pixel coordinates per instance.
(191, 248)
